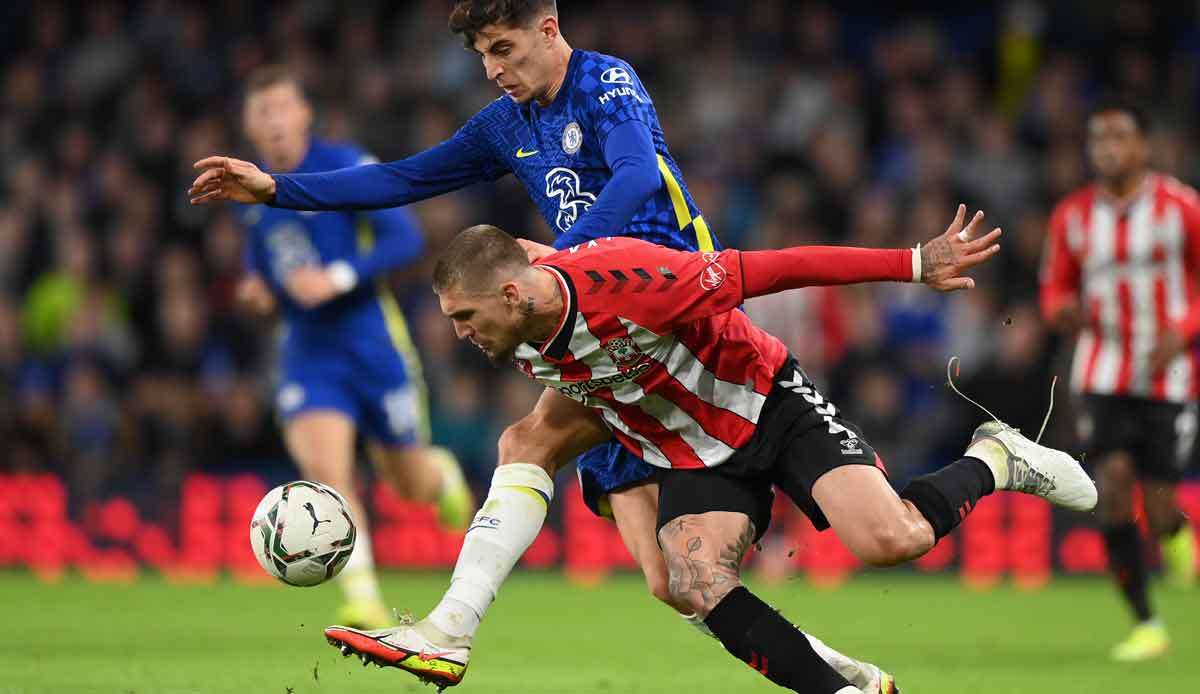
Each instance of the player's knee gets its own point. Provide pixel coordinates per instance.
(521, 442)
(681, 596)
(659, 585)
(688, 592)
(679, 590)
(509, 440)
(514, 441)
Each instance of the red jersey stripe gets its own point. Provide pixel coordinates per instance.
(681, 455)
(1158, 385)
(1125, 306)
(715, 422)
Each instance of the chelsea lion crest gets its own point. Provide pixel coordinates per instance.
(572, 138)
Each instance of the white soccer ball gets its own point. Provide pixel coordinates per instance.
(302, 533)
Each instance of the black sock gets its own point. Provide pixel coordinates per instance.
(755, 633)
(1124, 544)
(946, 497)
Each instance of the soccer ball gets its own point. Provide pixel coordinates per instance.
(302, 533)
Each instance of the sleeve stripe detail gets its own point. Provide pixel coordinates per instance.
(704, 237)
(682, 216)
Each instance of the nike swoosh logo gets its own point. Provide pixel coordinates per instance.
(426, 657)
(521, 153)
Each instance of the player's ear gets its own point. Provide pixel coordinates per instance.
(510, 294)
(548, 29)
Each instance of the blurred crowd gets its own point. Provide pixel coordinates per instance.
(124, 360)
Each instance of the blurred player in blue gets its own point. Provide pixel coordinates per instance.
(580, 131)
(347, 364)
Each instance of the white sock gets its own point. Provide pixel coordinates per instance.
(857, 673)
(849, 690)
(505, 526)
(357, 578)
(994, 456)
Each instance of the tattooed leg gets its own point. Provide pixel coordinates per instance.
(704, 556)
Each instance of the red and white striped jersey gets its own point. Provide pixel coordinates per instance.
(1134, 272)
(653, 339)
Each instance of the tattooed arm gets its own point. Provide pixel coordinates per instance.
(704, 556)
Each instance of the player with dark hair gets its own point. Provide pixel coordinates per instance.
(347, 362)
(1122, 270)
(576, 127)
(580, 131)
(651, 339)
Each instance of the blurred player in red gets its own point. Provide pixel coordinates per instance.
(1120, 271)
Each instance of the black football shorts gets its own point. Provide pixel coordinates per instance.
(800, 436)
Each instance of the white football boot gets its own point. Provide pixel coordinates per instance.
(408, 647)
(1020, 465)
(863, 675)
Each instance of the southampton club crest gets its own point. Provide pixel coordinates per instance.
(623, 351)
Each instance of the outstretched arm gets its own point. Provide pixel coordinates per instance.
(689, 286)
(448, 166)
(445, 167)
(939, 263)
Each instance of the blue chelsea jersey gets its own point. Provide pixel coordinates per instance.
(557, 151)
(281, 240)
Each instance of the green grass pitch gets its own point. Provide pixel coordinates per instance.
(544, 635)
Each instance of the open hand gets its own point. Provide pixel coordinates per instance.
(536, 251)
(945, 258)
(226, 178)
